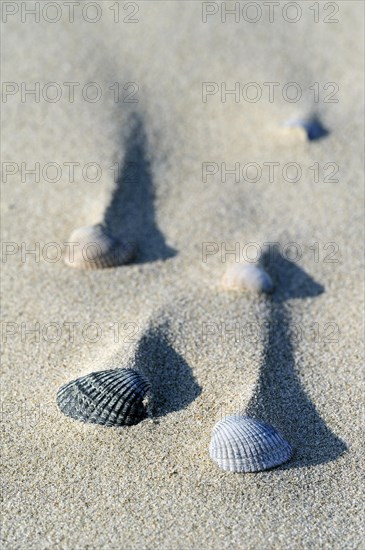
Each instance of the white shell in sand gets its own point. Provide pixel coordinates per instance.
(93, 247)
(243, 444)
(247, 276)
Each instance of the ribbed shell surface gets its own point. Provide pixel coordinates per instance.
(110, 398)
(94, 248)
(243, 444)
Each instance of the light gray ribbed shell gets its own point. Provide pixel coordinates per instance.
(95, 248)
(243, 444)
(110, 397)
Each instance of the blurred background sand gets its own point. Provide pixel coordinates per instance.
(297, 360)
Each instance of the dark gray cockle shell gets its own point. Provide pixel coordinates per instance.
(243, 444)
(111, 397)
(93, 247)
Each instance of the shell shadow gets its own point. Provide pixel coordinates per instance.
(279, 398)
(315, 129)
(130, 215)
(173, 384)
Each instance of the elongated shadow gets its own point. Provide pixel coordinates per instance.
(280, 398)
(173, 384)
(130, 215)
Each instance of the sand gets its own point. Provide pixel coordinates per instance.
(295, 359)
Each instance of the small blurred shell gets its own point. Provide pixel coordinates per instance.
(305, 129)
(93, 247)
(246, 276)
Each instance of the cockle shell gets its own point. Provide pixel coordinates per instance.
(242, 444)
(93, 247)
(111, 397)
(246, 276)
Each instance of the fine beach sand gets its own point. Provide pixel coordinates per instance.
(297, 359)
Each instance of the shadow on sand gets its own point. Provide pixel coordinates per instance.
(279, 398)
(173, 384)
(130, 215)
